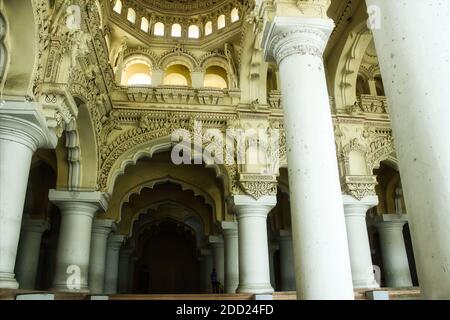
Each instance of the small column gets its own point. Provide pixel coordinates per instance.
(393, 251)
(28, 253)
(206, 267)
(124, 270)
(358, 240)
(272, 249)
(72, 258)
(97, 261)
(157, 77)
(286, 261)
(322, 261)
(112, 263)
(22, 131)
(254, 271)
(218, 252)
(230, 235)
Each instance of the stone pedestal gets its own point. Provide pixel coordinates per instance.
(254, 271)
(28, 254)
(322, 262)
(72, 258)
(97, 261)
(358, 240)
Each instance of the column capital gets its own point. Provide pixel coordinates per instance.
(287, 36)
(229, 229)
(216, 241)
(246, 206)
(35, 225)
(21, 122)
(66, 200)
(284, 234)
(115, 241)
(204, 252)
(103, 226)
(390, 221)
(355, 207)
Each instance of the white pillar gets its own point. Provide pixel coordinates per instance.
(205, 270)
(28, 253)
(393, 251)
(415, 65)
(218, 252)
(72, 258)
(322, 262)
(254, 270)
(358, 240)
(112, 263)
(230, 235)
(22, 132)
(272, 249)
(287, 271)
(101, 229)
(124, 270)
(157, 77)
(198, 79)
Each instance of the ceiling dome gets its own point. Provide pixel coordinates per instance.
(182, 6)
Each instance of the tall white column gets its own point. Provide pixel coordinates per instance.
(286, 261)
(322, 262)
(72, 258)
(358, 240)
(112, 263)
(22, 132)
(218, 253)
(254, 270)
(28, 253)
(230, 235)
(415, 65)
(393, 251)
(101, 229)
(124, 270)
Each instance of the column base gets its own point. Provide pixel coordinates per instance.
(255, 288)
(63, 288)
(365, 284)
(7, 281)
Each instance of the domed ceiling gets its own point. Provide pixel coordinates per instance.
(182, 6)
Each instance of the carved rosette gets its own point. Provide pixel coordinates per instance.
(359, 186)
(289, 36)
(258, 185)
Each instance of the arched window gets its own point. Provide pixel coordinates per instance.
(176, 30)
(118, 6)
(177, 75)
(234, 15)
(194, 32)
(362, 87)
(221, 22)
(131, 16)
(159, 29)
(144, 24)
(208, 28)
(137, 72)
(216, 77)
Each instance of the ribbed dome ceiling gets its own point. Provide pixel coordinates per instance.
(182, 6)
